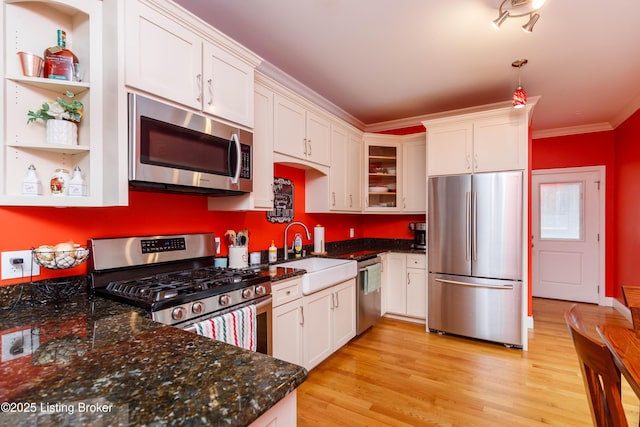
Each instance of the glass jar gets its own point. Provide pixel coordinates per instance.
(60, 182)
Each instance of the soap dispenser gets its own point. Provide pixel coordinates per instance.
(273, 252)
(297, 245)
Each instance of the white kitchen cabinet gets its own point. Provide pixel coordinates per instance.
(301, 133)
(261, 198)
(175, 62)
(31, 26)
(344, 313)
(383, 156)
(404, 284)
(287, 320)
(283, 413)
(484, 141)
(345, 171)
(414, 174)
(329, 321)
(416, 286)
(353, 176)
(317, 334)
(395, 173)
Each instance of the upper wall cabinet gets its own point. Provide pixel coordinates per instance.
(261, 198)
(31, 26)
(186, 65)
(300, 132)
(395, 176)
(341, 189)
(479, 141)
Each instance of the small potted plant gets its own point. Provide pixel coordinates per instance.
(62, 117)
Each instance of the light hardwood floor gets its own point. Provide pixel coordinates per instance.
(396, 374)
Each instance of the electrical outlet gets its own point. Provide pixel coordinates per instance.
(352, 233)
(11, 270)
(217, 240)
(19, 343)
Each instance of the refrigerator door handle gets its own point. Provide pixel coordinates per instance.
(468, 226)
(474, 226)
(474, 285)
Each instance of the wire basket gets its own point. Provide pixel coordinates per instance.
(58, 260)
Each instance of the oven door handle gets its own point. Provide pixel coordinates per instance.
(260, 303)
(236, 143)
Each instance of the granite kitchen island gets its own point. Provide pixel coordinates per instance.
(88, 360)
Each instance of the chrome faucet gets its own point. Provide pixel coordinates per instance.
(286, 231)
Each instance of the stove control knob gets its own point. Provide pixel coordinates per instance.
(247, 293)
(178, 313)
(260, 290)
(197, 307)
(224, 300)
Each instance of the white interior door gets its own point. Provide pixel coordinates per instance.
(566, 258)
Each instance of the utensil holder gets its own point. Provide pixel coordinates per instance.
(238, 257)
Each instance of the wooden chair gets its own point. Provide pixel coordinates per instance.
(600, 374)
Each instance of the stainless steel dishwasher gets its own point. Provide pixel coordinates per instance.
(368, 295)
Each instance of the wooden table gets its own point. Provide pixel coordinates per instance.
(624, 344)
(632, 300)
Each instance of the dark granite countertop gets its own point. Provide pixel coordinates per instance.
(348, 249)
(91, 361)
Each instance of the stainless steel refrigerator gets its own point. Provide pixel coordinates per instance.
(475, 256)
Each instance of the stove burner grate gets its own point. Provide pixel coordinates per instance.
(166, 286)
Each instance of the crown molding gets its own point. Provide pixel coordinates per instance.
(279, 76)
(572, 130)
(626, 112)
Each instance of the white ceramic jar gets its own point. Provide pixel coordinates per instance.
(59, 183)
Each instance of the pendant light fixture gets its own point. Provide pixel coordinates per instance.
(518, 9)
(520, 95)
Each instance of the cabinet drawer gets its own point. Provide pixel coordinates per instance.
(285, 291)
(416, 261)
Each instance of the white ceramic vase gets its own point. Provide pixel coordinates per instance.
(62, 132)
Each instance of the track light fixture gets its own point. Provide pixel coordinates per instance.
(520, 95)
(518, 9)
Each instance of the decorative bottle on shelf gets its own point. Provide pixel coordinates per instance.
(76, 183)
(59, 62)
(60, 182)
(31, 184)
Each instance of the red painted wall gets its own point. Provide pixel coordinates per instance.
(591, 149)
(154, 213)
(627, 205)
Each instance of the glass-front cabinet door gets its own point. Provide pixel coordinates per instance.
(382, 186)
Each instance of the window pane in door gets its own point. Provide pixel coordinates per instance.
(561, 211)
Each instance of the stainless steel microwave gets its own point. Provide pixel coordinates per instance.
(172, 149)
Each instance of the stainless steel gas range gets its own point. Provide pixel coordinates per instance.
(173, 278)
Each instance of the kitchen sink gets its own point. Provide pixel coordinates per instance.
(323, 272)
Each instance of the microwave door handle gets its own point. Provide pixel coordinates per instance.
(236, 177)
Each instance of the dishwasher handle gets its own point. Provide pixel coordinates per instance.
(474, 285)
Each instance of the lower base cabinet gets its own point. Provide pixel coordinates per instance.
(308, 329)
(329, 321)
(287, 320)
(283, 413)
(405, 284)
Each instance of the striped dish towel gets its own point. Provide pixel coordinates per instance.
(236, 328)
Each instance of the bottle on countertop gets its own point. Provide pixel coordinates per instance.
(59, 62)
(273, 252)
(297, 245)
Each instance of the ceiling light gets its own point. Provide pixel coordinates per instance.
(528, 27)
(518, 9)
(519, 97)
